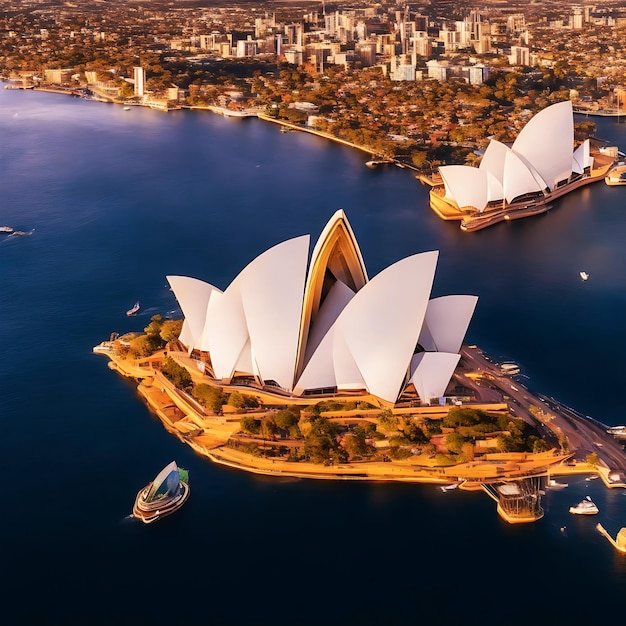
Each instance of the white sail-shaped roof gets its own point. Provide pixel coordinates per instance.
(272, 290)
(166, 483)
(446, 322)
(335, 302)
(518, 179)
(493, 164)
(547, 142)
(466, 185)
(362, 336)
(493, 159)
(372, 341)
(381, 323)
(263, 305)
(582, 158)
(193, 297)
(226, 331)
(432, 372)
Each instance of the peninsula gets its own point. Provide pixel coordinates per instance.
(246, 431)
(301, 368)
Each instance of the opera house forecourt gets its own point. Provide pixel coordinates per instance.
(522, 179)
(328, 330)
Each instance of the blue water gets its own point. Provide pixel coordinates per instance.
(116, 200)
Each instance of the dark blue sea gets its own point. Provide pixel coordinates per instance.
(116, 200)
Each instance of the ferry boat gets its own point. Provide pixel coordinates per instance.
(163, 496)
(584, 275)
(584, 507)
(134, 309)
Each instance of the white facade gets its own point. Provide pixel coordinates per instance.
(540, 158)
(328, 327)
(139, 74)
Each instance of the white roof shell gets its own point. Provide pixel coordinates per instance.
(359, 340)
(446, 322)
(371, 343)
(581, 158)
(431, 373)
(540, 157)
(466, 185)
(193, 296)
(547, 142)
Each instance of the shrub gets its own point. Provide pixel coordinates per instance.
(176, 373)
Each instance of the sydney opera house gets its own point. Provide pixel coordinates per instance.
(319, 326)
(518, 180)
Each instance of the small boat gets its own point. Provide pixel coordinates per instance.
(134, 309)
(163, 496)
(584, 507)
(553, 484)
(584, 275)
(6, 229)
(126, 108)
(592, 477)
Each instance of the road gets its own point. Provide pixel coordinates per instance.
(552, 419)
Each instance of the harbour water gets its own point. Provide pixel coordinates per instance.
(116, 200)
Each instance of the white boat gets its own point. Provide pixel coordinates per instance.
(584, 507)
(6, 229)
(592, 477)
(584, 275)
(134, 309)
(553, 484)
(126, 108)
(509, 369)
(163, 496)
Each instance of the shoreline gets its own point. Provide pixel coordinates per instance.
(208, 434)
(217, 110)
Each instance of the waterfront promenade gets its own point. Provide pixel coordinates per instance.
(208, 434)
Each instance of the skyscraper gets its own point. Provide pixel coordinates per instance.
(140, 81)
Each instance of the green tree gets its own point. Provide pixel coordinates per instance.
(593, 459)
(387, 421)
(211, 397)
(176, 373)
(455, 442)
(285, 419)
(154, 327)
(250, 425)
(145, 345)
(236, 400)
(170, 330)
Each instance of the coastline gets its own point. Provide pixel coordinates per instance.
(219, 111)
(208, 434)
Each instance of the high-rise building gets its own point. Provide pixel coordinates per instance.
(139, 74)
